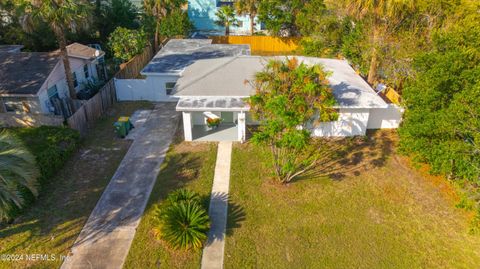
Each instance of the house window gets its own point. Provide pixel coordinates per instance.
(169, 86)
(240, 24)
(75, 80)
(52, 91)
(85, 71)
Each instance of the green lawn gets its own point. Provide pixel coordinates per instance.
(187, 165)
(51, 225)
(374, 211)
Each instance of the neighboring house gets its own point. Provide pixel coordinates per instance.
(208, 85)
(202, 14)
(34, 82)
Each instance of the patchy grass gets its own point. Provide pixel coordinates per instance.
(366, 208)
(187, 165)
(52, 224)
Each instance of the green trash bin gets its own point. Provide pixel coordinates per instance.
(127, 122)
(120, 129)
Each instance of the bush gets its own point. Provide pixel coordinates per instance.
(176, 24)
(184, 222)
(183, 195)
(126, 43)
(51, 146)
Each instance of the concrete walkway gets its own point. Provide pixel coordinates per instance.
(105, 239)
(214, 250)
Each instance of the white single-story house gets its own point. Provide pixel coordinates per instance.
(168, 66)
(212, 85)
(34, 82)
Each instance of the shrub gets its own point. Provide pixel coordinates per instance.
(51, 146)
(183, 195)
(184, 222)
(126, 43)
(176, 24)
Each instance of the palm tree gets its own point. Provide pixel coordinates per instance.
(380, 13)
(160, 9)
(250, 8)
(226, 17)
(17, 170)
(62, 16)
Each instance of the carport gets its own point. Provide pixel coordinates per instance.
(230, 110)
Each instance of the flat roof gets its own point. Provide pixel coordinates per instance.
(178, 54)
(219, 77)
(227, 77)
(209, 103)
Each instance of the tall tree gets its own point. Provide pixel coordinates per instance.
(250, 9)
(381, 15)
(279, 16)
(115, 13)
(17, 170)
(442, 121)
(226, 17)
(159, 10)
(62, 16)
(290, 98)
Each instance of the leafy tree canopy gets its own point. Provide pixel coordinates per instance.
(442, 121)
(290, 98)
(126, 43)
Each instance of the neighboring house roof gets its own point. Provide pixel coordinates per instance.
(10, 48)
(181, 53)
(81, 51)
(25, 72)
(227, 77)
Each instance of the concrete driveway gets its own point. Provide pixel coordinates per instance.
(105, 239)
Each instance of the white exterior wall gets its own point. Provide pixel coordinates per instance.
(57, 77)
(351, 122)
(150, 89)
(385, 118)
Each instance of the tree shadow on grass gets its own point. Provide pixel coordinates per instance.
(344, 157)
(217, 204)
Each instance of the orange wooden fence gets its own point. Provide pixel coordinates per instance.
(262, 44)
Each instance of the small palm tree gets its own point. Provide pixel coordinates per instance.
(250, 8)
(185, 225)
(62, 16)
(226, 17)
(17, 170)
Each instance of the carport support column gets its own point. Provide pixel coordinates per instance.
(187, 126)
(241, 127)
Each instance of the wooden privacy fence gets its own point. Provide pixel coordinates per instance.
(263, 44)
(132, 68)
(93, 109)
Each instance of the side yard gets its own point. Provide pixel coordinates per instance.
(373, 212)
(52, 224)
(187, 165)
